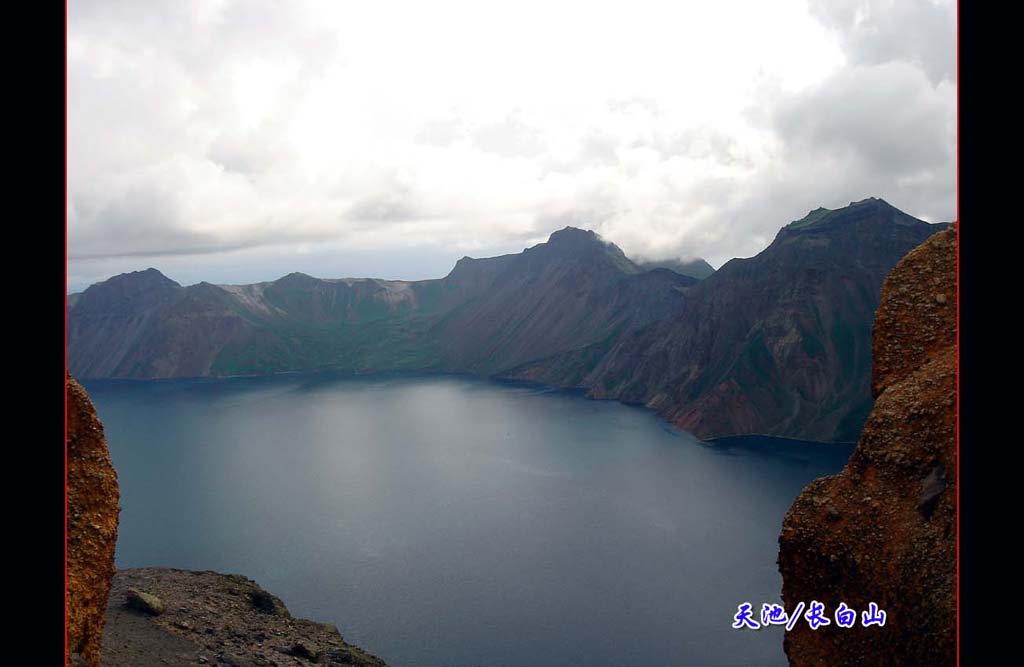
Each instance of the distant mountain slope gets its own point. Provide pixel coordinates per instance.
(561, 295)
(694, 268)
(110, 319)
(778, 343)
(486, 315)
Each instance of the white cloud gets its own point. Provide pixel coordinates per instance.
(919, 32)
(467, 127)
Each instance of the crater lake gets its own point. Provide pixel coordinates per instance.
(452, 521)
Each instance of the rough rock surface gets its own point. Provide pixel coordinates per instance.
(884, 529)
(218, 620)
(92, 497)
(143, 601)
(776, 344)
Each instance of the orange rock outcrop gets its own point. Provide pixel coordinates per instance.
(92, 497)
(884, 529)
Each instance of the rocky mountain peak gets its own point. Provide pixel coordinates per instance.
(694, 267)
(574, 235)
(574, 243)
(131, 291)
(296, 279)
(821, 218)
(141, 281)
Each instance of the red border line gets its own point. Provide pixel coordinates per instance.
(65, 332)
(958, 223)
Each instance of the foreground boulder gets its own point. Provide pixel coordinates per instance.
(144, 602)
(92, 513)
(884, 529)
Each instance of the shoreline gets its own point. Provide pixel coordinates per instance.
(343, 375)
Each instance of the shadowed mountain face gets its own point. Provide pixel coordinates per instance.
(778, 343)
(485, 316)
(694, 268)
(572, 291)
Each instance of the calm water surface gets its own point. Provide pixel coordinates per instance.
(450, 521)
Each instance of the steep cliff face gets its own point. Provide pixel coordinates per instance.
(111, 319)
(92, 525)
(777, 344)
(884, 529)
(572, 291)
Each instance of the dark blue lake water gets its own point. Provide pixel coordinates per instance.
(457, 522)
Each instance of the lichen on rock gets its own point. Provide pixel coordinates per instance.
(144, 602)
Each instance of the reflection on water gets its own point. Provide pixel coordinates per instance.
(449, 521)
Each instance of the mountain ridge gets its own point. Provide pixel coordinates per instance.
(573, 311)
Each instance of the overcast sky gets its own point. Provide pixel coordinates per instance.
(237, 141)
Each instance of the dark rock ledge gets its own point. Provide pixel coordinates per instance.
(213, 619)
